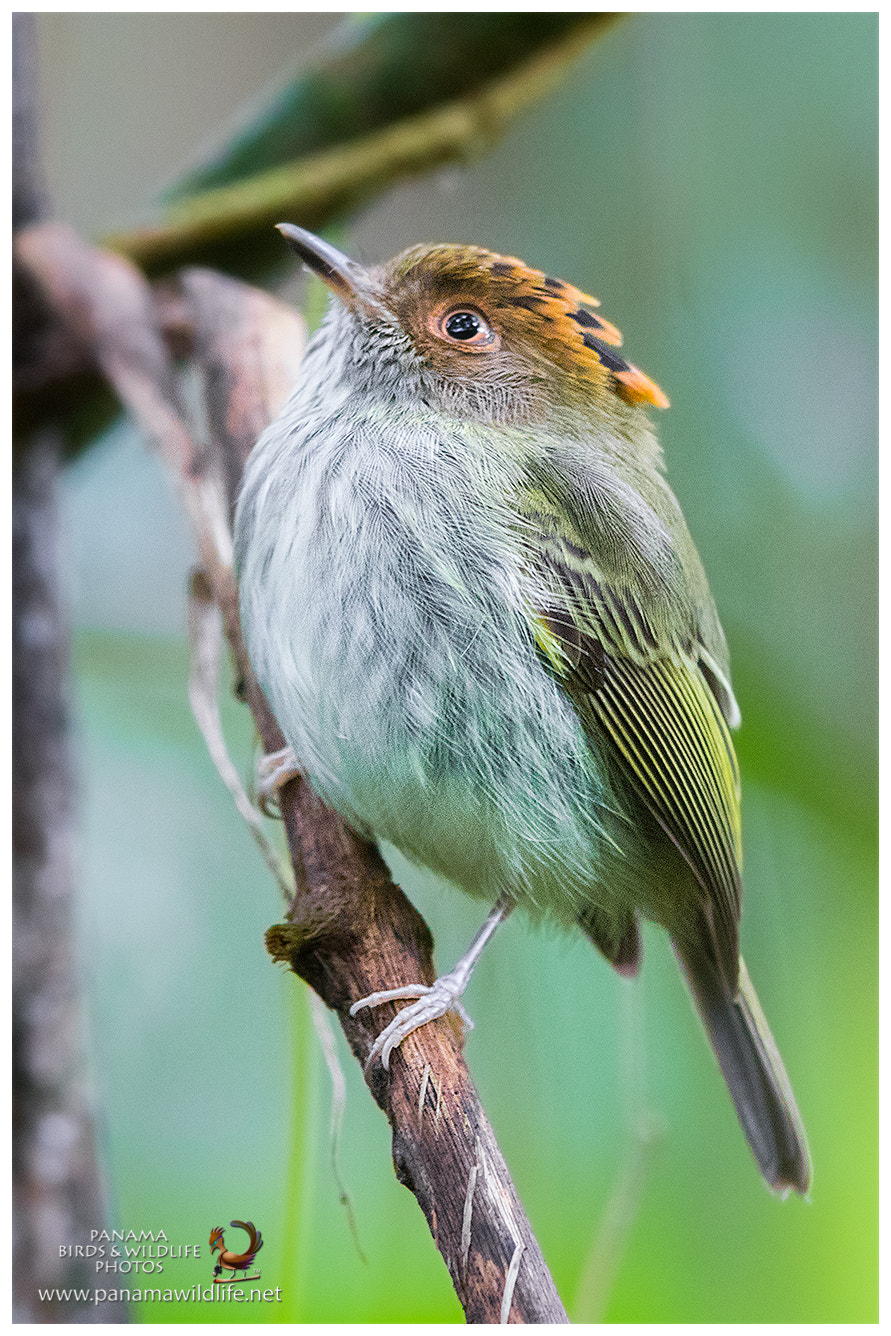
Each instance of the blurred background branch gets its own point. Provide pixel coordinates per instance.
(58, 1185)
(411, 93)
(376, 70)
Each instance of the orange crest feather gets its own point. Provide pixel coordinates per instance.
(567, 325)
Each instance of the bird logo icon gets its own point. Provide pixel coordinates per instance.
(233, 1261)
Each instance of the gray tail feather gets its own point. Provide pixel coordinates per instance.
(753, 1070)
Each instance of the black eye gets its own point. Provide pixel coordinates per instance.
(463, 325)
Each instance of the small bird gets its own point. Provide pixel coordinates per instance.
(479, 617)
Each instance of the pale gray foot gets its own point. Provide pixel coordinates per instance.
(433, 1000)
(273, 771)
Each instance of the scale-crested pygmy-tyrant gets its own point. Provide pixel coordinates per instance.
(478, 615)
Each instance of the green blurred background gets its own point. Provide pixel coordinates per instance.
(712, 178)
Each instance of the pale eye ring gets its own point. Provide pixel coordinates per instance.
(466, 326)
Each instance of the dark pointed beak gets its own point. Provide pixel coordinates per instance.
(343, 276)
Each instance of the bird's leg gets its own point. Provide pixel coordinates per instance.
(434, 1000)
(273, 771)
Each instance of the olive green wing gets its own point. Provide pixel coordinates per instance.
(650, 695)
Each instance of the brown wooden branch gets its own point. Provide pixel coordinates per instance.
(350, 931)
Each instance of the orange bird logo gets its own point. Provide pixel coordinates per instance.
(232, 1261)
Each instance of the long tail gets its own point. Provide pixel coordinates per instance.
(753, 1070)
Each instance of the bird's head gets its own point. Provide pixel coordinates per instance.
(479, 332)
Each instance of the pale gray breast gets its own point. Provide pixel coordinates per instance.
(383, 608)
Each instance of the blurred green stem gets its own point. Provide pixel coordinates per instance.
(303, 1141)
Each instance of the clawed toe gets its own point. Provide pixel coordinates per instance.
(432, 1002)
(274, 770)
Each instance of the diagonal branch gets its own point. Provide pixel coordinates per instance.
(350, 931)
